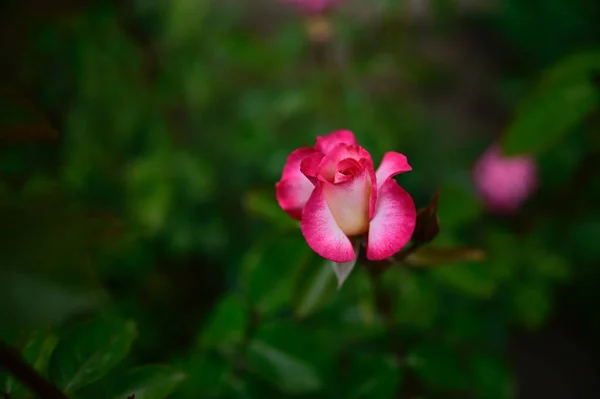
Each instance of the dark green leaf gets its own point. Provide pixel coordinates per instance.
(438, 366)
(457, 205)
(89, 350)
(207, 376)
(471, 279)
(227, 324)
(263, 205)
(270, 268)
(373, 376)
(543, 119)
(493, 378)
(531, 304)
(148, 382)
(289, 358)
(315, 286)
(36, 352)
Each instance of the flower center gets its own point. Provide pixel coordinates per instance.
(346, 169)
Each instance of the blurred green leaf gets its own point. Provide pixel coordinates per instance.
(581, 65)
(52, 303)
(148, 382)
(36, 351)
(531, 304)
(493, 378)
(438, 366)
(372, 376)
(471, 279)
(226, 326)
(315, 286)
(288, 357)
(457, 205)
(270, 268)
(87, 351)
(207, 376)
(416, 298)
(553, 111)
(262, 204)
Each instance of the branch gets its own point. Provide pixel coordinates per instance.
(11, 360)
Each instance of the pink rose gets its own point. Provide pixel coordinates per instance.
(313, 6)
(334, 190)
(504, 183)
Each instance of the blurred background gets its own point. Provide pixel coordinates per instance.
(140, 142)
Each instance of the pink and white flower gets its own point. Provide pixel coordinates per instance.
(313, 7)
(336, 193)
(504, 183)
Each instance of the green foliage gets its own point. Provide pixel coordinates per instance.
(147, 382)
(139, 148)
(88, 351)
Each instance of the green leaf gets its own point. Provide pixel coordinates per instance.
(493, 378)
(438, 366)
(289, 358)
(531, 304)
(457, 205)
(416, 298)
(226, 325)
(373, 376)
(207, 376)
(269, 270)
(36, 352)
(577, 66)
(89, 350)
(315, 286)
(552, 111)
(148, 382)
(263, 205)
(474, 280)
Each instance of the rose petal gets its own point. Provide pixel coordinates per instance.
(329, 164)
(321, 231)
(392, 164)
(294, 160)
(295, 188)
(310, 166)
(349, 201)
(292, 195)
(393, 223)
(326, 143)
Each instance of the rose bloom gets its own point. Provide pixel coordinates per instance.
(313, 7)
(504, 183)
(334, 190)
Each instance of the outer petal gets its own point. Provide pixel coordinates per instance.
(293, 162)
(392, 164)
(393, 223)
(294, 189)
(349, 201)
(292, 194)
(326, 143)
(321, 231)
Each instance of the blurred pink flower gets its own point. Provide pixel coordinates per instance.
(504, 183)
(312, 6)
